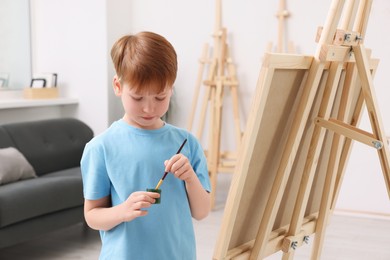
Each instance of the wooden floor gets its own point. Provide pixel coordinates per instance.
(347, 238)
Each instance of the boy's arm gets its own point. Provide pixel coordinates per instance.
(198, 197)
(100, 215)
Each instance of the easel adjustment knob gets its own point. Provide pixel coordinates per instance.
(377, 144)
(294, 245)
(293, 242)
(358, 38)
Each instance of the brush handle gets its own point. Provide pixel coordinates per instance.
(159, 184)
(166, 173)
(181, 147)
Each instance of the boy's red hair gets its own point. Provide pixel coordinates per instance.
(146, 61)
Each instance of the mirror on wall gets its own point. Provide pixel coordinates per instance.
(15, 45)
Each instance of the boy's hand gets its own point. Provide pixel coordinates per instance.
(179, 166)
(135, 204)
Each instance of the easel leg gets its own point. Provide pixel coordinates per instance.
(324, 213)
(373, 111)
(211, 149)
(234, 93)
(359, 26)
(314, 152)
(351, 77)
(197, 86)
(206, 99)
(215, 140)
(334, 166)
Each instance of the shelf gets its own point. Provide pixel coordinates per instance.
(25, 103)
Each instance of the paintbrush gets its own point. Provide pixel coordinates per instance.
(166, 173)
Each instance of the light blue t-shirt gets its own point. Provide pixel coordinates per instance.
(125, 159)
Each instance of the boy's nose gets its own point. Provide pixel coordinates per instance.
(149, 107)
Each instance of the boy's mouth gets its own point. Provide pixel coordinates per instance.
(148, 117)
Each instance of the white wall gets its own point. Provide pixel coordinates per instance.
(74, 38)
(15, 43)
(69, 38)
(119, 22)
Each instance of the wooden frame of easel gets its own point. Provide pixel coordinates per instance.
(280, 197)
(221, 75)
(282, 16)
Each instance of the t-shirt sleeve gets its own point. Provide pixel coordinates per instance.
(199, 163)
(96, 183)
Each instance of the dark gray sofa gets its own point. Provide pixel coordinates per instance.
(54, 199)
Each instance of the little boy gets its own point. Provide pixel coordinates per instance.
(133, 154)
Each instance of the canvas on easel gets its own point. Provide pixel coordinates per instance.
(298, 137)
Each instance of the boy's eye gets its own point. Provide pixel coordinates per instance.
(136, 98)
(160, 98)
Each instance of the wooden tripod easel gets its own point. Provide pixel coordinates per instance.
(221, 75)
(344, 128)
(309, 152)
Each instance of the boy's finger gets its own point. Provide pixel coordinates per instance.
(153, 195)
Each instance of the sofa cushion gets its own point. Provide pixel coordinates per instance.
(5, 139)
(50, 145)
(50, 193)
(14, 166)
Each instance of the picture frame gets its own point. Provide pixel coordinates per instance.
(3, 80)
(45, 80)
(38, 83)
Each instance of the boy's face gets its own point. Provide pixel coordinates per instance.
(144, 110)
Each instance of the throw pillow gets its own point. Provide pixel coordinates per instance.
(14, 166)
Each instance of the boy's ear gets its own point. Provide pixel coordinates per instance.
(116, 84)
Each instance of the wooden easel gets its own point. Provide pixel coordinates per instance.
(308, 153)
(221, 75)
(282, 16)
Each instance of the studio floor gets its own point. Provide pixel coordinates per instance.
(347, 238)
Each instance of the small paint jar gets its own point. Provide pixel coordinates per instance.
(158, 200)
